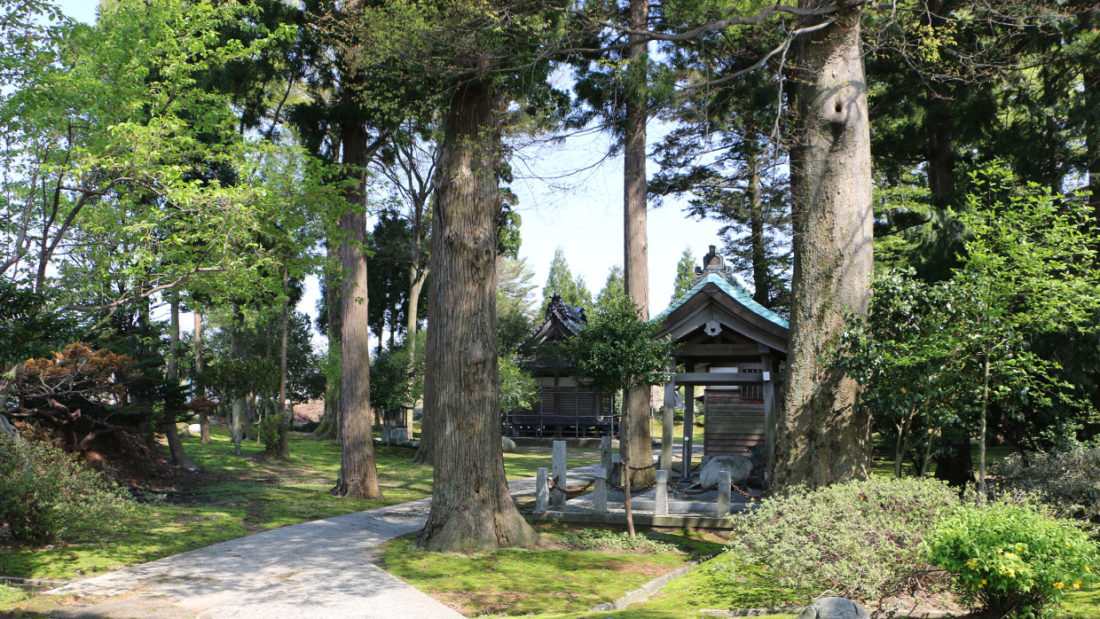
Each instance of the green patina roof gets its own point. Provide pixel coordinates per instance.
(734, 290)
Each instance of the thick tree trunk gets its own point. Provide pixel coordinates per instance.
(175, 445)
(358, 475)
(823, 435)
(471, 505)
(635, 424)
(204, 417)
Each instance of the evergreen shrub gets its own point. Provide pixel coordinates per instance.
(46, 494)
(1014, 560)
(858, 539)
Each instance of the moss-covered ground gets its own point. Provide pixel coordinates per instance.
(565, 578)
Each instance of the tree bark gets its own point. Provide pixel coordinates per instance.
(240, 405)
(416, 284)
(823, 435)
(358, 475)
(281, 449)
(175, 445)
(471, 506)
(635, 424)
(204, 417)
(329, 428)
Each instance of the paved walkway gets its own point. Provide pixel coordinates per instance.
(322, 568)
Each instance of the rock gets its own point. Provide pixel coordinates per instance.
(195, 429)
(507, 444)
(739, 468)
(833, 608)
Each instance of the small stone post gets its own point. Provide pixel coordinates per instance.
(724, 484)
(557, 497)
(605, 455)
(616, 465)
(542, 490)
(599, 497)
(660, 503)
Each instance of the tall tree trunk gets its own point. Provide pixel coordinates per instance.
(175, 445)
(635, 425)
(823, 435)
(358, 475)
(329, 428)
(200, 391)
(281, 449)
(417, 278)
(240, 405)
(941, 152)
(471, 505)
(1091, 84)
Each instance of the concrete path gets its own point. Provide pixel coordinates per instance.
(322, 568)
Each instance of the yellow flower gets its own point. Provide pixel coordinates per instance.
(1077, 585)
(1059, 585)
(1087, 569)
(983, 582)
(1019, 547)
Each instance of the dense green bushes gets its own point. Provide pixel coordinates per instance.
(859, 539)
(1012, 559)
(46, 494)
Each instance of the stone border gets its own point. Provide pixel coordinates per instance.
(643, 593)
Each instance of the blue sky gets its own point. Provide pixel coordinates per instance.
(570, 196)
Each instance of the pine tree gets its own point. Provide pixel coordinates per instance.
(561, 282)
(685, 274)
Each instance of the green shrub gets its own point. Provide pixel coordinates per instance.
(1012, 559)
(46, 494)
(858, 539)
(1069, 482)
(606, 539)
(272, 430)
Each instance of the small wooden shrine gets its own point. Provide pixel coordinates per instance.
(734, 349)
(563, 407)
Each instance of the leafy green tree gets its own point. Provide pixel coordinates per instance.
(561, 282)
(517, 388)
(394, 382)
(1028, 270)
(619, 352)
(958, 350)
